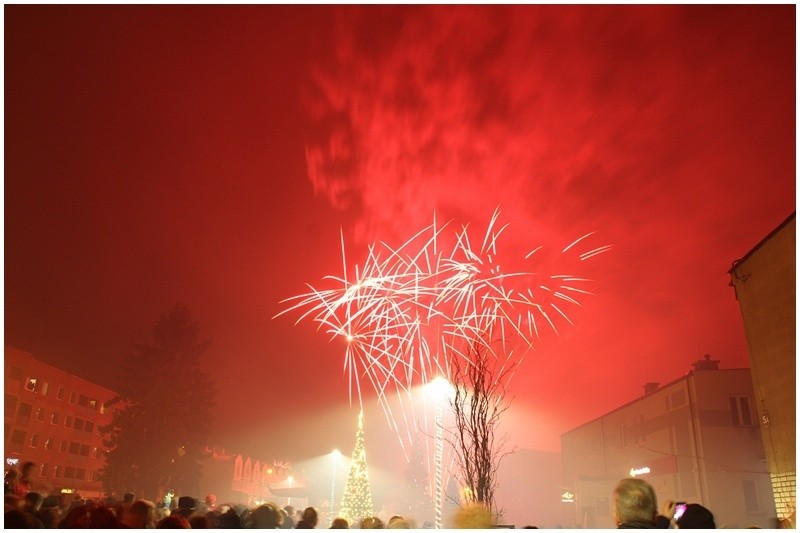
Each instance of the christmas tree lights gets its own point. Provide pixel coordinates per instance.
(357, 500)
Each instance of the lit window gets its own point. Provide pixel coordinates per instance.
(93, 404)
(31, 384)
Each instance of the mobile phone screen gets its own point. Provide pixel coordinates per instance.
(680, 508)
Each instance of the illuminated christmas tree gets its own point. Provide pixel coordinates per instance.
(357, 500)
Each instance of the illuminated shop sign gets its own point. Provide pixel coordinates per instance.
(568, 497)
(640, 471)
(12, 461)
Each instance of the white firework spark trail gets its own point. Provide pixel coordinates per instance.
(407, 309)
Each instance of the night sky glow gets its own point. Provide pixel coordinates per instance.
(215, 156)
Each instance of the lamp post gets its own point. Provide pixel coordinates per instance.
(442, 389)
(335, 454)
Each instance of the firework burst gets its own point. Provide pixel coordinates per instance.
(404, 310)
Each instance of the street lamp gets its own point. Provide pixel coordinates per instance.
(441, 390)
(335, 455)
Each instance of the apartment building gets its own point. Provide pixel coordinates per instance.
(695, 439)
(52, 418)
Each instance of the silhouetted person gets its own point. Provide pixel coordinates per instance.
(309, 520)
(634, 505)
(340, 523)
(173, 521)
(25, 483)
(141, 514)
(696, 517)
(10, 481)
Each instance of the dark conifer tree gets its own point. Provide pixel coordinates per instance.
(161, 414)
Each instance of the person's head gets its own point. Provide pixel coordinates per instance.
(186, 506)
(310, 516)
(340, 523)
(173, 521)
(397, 522)
(27, 470)
(266, 517)
(696, 517)
(128, 498)
(12, 476)
(33, 501)
(372, 522)
(230, 520)
(211, 500)
(634, 501)
(199, 521)
(141, 514)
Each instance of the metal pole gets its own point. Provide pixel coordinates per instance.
(438, 464)
(333, 490)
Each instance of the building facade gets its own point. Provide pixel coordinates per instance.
(695, 439)
(764, 284)
(52, 419)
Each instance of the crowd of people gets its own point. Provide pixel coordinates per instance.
(635, 507)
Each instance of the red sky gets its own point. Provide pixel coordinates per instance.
(211, 155)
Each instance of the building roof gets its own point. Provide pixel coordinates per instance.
(761, 243)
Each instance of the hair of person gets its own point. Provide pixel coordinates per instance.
(635, 501)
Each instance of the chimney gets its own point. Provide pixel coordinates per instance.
(706, 363)
(650, 387)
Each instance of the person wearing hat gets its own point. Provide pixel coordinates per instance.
(186, 506)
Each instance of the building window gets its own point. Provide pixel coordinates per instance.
(83, 400)
(54, 418)
(74, 448)
(31, 384)
(69, 472)
(67, 421)
(88, 427)
(78, 424)
(24, 413)
(60, 394)
(740, 411)
(48, 443)
(34, 442)
(84, 450)
(750, 496)
(40, 414)
(63, 447)
(43, 470)
(10, 405)
(93, 404)
(80, 473)
(45, 387)
(95, 453)
(73, 396)
(56, 472)
(17, 440)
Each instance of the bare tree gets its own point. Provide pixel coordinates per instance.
(479, 379)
